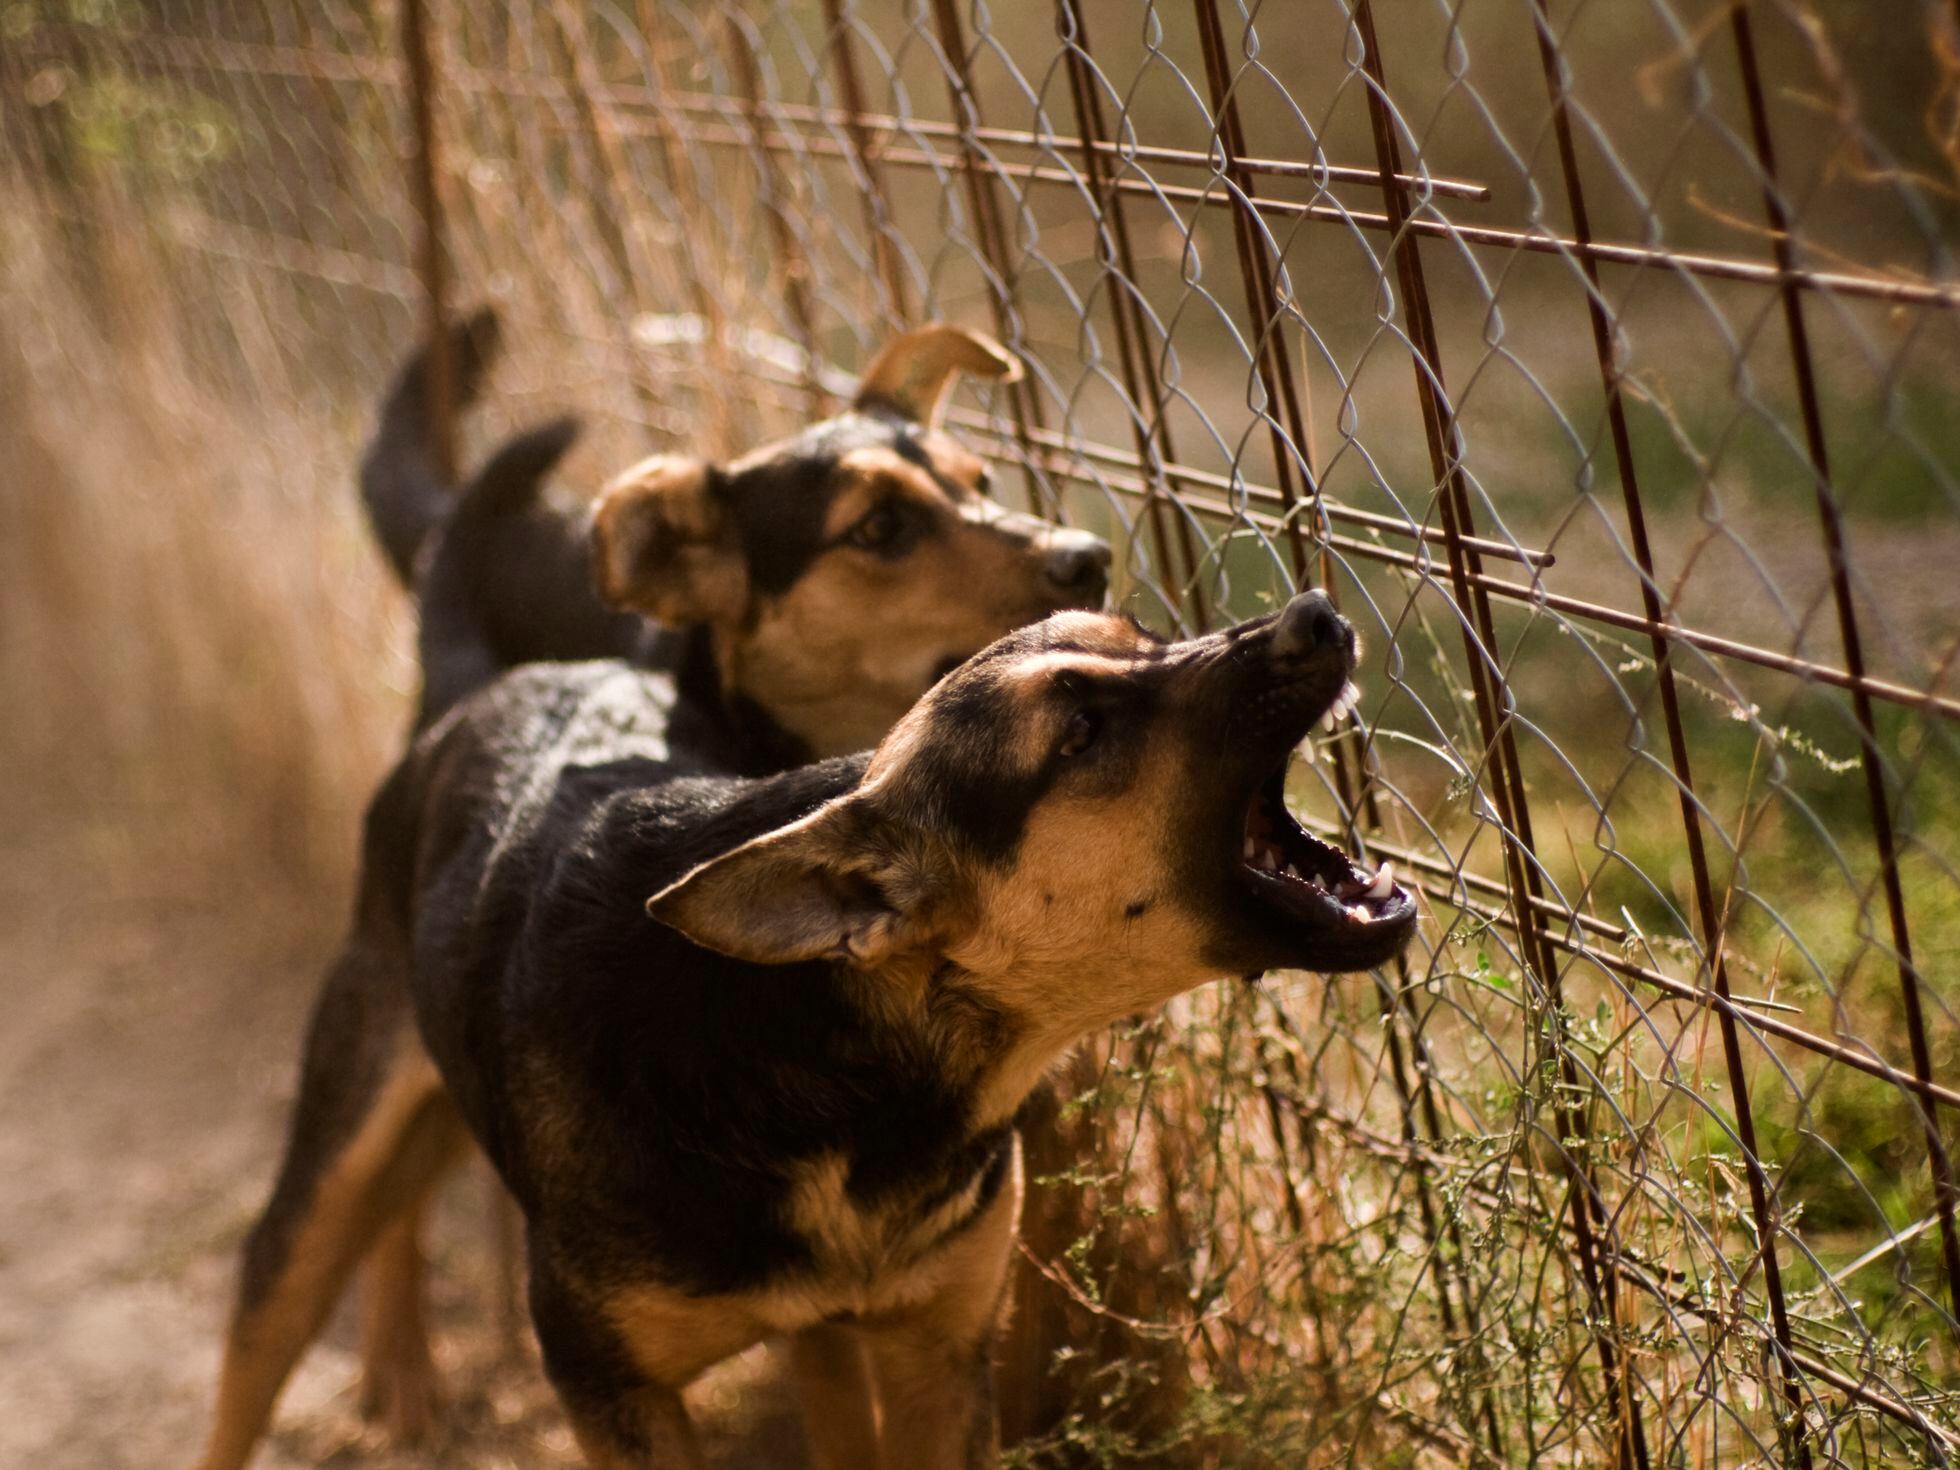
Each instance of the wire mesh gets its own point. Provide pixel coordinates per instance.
(1598, 358)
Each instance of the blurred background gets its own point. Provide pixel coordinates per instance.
(1600, 358)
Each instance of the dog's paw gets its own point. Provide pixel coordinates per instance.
(402, 1392)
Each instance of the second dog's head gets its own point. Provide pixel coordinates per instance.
(843, 570)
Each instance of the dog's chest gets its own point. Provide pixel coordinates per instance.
(864, 1254)
(866, 1263)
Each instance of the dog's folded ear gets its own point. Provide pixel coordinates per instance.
(825, 887)
(664, 545)
(914, 373)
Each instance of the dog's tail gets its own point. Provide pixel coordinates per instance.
(406, 495)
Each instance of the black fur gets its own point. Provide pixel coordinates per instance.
(780, 506)
(649, 1102)
(509, 579)
(662, 1110)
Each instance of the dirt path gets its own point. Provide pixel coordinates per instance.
(148, 1035)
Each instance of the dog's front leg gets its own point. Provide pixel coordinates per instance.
(933, 1361)
(645, 1428)
(619, 1356)
(833, 1383)
(937, 1396)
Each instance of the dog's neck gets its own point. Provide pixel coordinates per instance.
(748, 737)
(993, 1058)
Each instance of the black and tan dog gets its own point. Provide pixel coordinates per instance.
(805, 596)
(783, 1104)
(811, 589)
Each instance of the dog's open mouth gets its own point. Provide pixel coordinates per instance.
(1290, 869)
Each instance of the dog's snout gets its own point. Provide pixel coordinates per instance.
(1078, 565)
(1309, 625)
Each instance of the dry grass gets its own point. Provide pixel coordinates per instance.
(205, 665)
(206, 669)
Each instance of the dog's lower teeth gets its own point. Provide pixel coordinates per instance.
(1357, 914)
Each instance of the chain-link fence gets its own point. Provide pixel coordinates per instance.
(1599, 358)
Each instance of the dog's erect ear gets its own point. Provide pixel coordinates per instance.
(915, 373)
(663, 544)
(826, 887)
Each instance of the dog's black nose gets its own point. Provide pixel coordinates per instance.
(1078, 564)
(1309, 624)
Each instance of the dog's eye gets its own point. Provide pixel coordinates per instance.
(1080, 733)
(877, 529)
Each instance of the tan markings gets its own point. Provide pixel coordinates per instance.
(874, 1265)
(915, 372)
(1033, 666)
(952, 460)
(1098, 633)
(662, 546)
(838, 1397)
(408, 1136)
(674, 1338)
(871, 474)
(1034, 669)
(853, 1243)
(841, 655)
(1053, 943)
(955, 1292)
(929, 1355)
(400, 1388)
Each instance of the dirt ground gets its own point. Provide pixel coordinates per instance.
(149, 1028)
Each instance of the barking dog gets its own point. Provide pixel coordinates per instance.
(748, 1051)
(805, 596)
(823, 581)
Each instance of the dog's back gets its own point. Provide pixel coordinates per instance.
(508, 580)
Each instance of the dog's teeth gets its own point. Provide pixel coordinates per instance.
(1357, 914)
(1291, 872)
(1251, 849)
(1344, 705)
(1269, 860)
(1384, 883)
